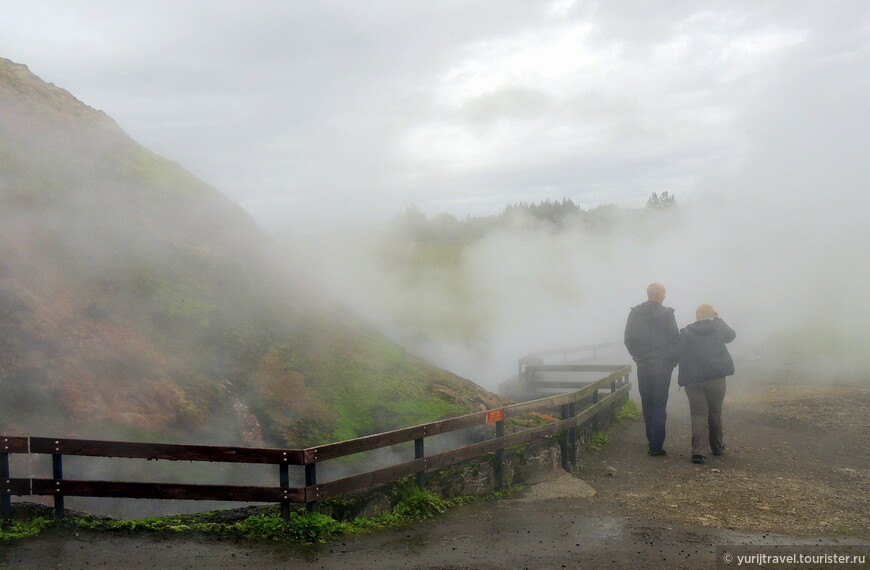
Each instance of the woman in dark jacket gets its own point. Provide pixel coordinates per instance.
(704, 364)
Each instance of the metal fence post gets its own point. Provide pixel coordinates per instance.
(572, 436)
(566, 443)
(57, 473)
(284, 478)
(5, 500)
(595, 426)
(311, 479)
(419, 453)
(499, 456)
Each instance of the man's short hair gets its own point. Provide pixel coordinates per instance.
(654, 290)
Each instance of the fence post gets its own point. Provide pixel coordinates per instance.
(566, 444)
(57, 474)
(5, 500)
(419, 453)
(572, 436)
(499, 456)
(595, 426)
(311, 479)
(284, 477)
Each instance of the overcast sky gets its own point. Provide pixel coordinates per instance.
(309, 113)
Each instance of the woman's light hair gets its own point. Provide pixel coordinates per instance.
(706, 312)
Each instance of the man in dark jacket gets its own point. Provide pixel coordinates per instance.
(651, 336)
(704, 364)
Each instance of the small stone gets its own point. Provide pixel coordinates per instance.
(715, 471)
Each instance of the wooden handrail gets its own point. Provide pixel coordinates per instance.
(309, 457)
(135, 490)
(166, 451)
(570, 350)
(13, 444)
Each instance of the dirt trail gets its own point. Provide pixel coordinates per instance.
(792, 474)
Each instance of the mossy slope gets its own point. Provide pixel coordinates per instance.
(138, 302)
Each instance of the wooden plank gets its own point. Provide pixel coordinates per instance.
(369, 442)
(559, 385)
(365, 443)
(605, 402)
(515, 410)
(13, 444)
(363, 480)
(132, 490)
(15, 486)
(395, 472)
(539, 432)
(575, 367)
(585, 348)
(168, 451)
(457, 423)
(465, 453)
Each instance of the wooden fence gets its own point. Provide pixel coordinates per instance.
(581, 405)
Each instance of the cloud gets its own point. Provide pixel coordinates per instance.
(316, 114)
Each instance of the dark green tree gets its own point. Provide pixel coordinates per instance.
(661, 201)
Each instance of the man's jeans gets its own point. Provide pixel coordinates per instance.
(653, 386)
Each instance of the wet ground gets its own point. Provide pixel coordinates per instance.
(788, 477)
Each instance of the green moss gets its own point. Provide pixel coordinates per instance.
(11, 531)
(424, 410)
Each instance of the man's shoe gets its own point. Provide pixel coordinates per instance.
(656, 452)
(697, 459)
(719, 451)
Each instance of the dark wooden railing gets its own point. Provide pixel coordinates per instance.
(581, 405)
(532, 367)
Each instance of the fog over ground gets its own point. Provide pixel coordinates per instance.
(326, 119)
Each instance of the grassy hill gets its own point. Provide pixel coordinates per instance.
(138, 302)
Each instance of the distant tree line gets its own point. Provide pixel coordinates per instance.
(444, 227)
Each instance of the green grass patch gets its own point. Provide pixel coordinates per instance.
(628, 411)
(416, 503)
(598, 440)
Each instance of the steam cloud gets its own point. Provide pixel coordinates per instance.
(780, 247)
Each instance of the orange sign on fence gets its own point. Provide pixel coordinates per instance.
(494, 416)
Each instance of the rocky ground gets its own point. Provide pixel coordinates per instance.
(795, 472)
(796, 461)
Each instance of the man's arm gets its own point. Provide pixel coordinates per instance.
(631, 334)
